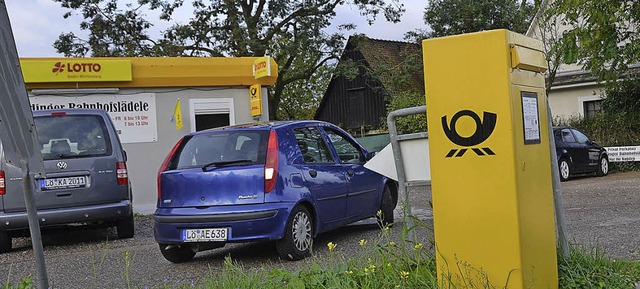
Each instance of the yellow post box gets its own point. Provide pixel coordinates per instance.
(490, 171)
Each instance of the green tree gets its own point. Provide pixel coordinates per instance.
(301, 99)
(294, 32)
(602, 34)
(451, 17)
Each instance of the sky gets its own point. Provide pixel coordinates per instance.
(36, 24)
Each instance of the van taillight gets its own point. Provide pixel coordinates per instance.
(165, 164)
(2, 189)
(122, 174)
(271, 164)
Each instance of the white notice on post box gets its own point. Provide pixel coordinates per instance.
(530, 118)
(133, 115)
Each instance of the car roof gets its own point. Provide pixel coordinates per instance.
(263, 126)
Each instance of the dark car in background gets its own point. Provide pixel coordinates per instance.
(86, 178)
(283, 181)
(577, 154)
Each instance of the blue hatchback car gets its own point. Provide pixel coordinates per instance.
(284, 181)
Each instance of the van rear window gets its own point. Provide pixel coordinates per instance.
(72, 136)
(246, 147)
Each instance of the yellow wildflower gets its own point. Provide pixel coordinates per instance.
(404, 275)
(418, 246)
(331, 246)
(363, 242)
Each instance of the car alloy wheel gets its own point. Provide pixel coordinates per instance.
(603, 170)
(564, 170)
(301, 231)
(297, 242)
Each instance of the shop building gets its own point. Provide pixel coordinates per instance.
(153, 102)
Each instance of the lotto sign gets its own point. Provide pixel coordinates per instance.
(262, 67)
(75, 70)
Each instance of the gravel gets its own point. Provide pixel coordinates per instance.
(599, 211)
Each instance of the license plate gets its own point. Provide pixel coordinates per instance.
(205, 235)
(61, 183)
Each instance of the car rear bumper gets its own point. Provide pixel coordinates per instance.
(245, 222)
(55, 217)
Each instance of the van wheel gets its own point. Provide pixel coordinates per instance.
(564, 169)
(298, 236)
(125, 228)
(177, 253)
(5, 242)
(603, 168)
(386, 208)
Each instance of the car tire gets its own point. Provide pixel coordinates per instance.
(297, 242)
(5, 242)
(603, 167)
(177, 253)
(564, 169)
(386, 208)
(125, 228)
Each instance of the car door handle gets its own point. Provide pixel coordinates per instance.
(350, 173)
(313, 173)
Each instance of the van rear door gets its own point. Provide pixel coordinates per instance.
(80, 153)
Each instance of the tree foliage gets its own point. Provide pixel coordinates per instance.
(294, 32)
(451, 17)
(602, 35)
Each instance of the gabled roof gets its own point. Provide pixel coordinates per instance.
(384, 56)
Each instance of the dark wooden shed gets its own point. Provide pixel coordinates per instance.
(359, 104)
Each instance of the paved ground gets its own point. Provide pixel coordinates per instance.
(603, 211)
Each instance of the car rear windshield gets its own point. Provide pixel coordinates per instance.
(72, 136)
(219, 148)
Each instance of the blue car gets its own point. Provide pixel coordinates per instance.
(283, 181)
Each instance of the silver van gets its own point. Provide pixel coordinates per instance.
(86, 176)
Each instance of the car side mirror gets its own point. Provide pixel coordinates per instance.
(370, 155)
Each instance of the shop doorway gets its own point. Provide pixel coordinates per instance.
(209, 113)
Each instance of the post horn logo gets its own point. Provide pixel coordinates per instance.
(483, 131)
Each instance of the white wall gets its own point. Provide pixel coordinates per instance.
(568, 101)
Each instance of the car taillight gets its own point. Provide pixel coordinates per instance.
(165, 164)
(271, 164)
(2, 189)
(122, 174)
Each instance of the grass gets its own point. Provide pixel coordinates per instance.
(385, 262)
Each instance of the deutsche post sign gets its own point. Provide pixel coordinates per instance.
(262, 67)
(75, 70)
(255, 96)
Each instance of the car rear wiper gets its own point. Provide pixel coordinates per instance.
(227, 163)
